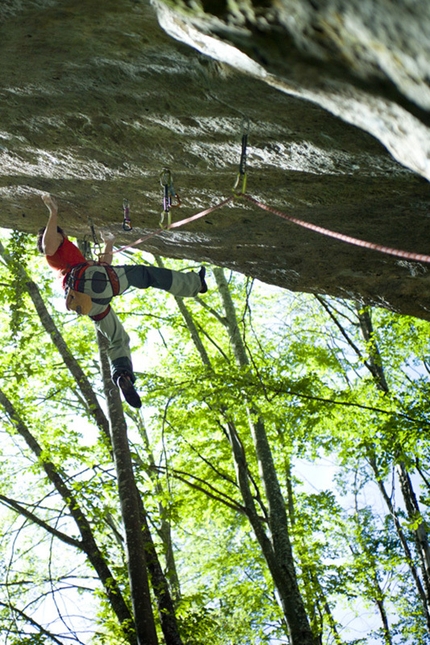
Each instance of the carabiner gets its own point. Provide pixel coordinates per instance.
(169, 193)
(242, 163)
(94, 236)
(245, 125)
(126, 223)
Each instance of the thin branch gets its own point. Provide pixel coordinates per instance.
(211, 310)
(217, 494)
(31, 621)
(346, 403)
(16, 506)
(341, 328)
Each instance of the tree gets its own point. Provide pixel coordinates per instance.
(243, 388)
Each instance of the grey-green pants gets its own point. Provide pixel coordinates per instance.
(96, 284)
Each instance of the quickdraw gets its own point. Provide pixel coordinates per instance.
(166, 182)
(96, 242)
(169, 194)
(241, 175)
(126, 223)
(86, 249)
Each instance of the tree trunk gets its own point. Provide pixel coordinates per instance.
(375, 361)
(414, 514)
(151, 562)
(286, 578)
(165, 532)
(312, 584)
(130, 511)
(409, 497)
(161, 588)
(403, 541)
(195, 336)
(281, 563)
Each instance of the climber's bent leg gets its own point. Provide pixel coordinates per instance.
(97, 285)
(119, 344)
(185, 284)
(175, 282)
(142, 277)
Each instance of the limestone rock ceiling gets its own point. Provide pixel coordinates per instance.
(96, 99)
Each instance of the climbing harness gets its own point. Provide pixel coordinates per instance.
(167, 184)
(81, 302)
(169, 194)
(126, 222)
(103, 314)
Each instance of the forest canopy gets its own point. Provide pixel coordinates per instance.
(279, 466)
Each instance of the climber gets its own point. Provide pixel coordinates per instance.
(90, 287)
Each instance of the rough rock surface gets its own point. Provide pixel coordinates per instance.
(97, 98)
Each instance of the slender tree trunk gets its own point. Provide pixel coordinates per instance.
(231, 319)
(411, 503)
(403, 540)
(286, 578)
(375, 591)
(142, 554)
(130, 511)
(160, 585)
(383, 614)
(319, 596)
(330, 618)
(165, 531)
(195, 336)
(375, 361)
(421, 535)
(256, 521)
(282, 563)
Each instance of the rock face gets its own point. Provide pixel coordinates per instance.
(97, 99)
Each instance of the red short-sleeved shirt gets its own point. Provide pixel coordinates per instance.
(65, 257)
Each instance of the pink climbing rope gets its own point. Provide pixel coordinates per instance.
(417, 257)
(178, 224)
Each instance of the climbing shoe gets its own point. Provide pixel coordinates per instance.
(204, 286)
(127, 388)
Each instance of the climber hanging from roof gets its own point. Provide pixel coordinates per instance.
(90, 287)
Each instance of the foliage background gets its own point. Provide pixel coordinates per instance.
(347, 421)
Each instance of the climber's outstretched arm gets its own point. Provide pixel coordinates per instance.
(108, 239)
(51, 239)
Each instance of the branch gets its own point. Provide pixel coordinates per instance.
(30, 620)
(211, 310)
(342, 330)
(217, 495)
(16, 506)
(345, 403)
